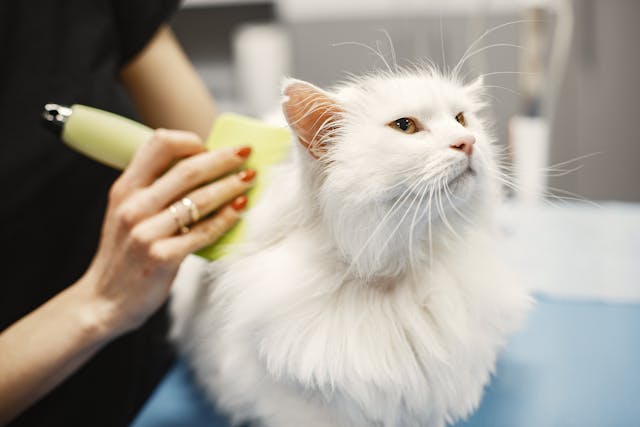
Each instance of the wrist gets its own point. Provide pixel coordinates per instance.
(93, 314)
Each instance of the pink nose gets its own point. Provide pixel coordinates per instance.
(464, 144)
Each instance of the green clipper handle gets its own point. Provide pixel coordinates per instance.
(113, 140)
(106, 137)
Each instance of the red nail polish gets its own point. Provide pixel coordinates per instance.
(239, 203)
(243, 152)
(247, 175)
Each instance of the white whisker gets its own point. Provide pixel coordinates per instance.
(443, 214)
(412, 259)
(381, 223)
(444, 59)
(392, 49)
(369, 48)
(482, 49)
(456, 69)
(499, 73)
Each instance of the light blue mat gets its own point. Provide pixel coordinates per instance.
(574, 364)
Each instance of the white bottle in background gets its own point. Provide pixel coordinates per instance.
(529, 132)
(529, 146)
(262, 56)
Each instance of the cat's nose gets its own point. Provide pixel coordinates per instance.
(464, 144)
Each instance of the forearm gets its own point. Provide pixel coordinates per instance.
(46, 346)
(166, 89)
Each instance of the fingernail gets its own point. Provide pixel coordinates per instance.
(243, 152)
(239, 203)
(247, 175)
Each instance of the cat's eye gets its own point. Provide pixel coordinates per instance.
(460, 119)
(405, 125)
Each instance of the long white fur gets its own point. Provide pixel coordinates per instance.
(368, 292)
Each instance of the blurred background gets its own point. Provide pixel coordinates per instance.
(562, 74)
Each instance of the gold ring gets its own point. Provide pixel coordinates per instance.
(182, 225)
(193, 209)
(185, 213)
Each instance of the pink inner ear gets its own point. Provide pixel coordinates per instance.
(311, 114)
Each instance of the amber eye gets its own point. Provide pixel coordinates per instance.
(405, 125)
(460, 119)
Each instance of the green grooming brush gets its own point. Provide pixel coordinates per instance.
(113, 140)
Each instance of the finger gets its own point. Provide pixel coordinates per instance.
(206, 199)
(158, 153)
(179, 180)
(191, 173)
(202, 234)
(212, 196)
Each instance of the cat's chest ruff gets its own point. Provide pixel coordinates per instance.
(423, 346)
(383, 337)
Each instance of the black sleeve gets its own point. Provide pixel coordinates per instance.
(137, 21)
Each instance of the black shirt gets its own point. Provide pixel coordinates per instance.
(52, 200)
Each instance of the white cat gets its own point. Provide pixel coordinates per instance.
(368, 292)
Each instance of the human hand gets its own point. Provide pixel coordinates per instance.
(142, 246)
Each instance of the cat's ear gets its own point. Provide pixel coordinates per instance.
(311, 113)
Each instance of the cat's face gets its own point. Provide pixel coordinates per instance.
(399, 158)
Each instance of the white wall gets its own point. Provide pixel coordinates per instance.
(302, 10)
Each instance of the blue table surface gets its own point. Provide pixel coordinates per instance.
(573, 364)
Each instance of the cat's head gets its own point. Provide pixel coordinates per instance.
(396, 160)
